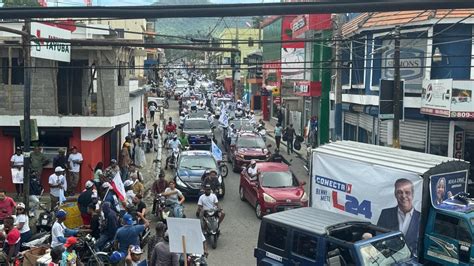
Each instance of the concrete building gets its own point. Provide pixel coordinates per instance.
(84, 102)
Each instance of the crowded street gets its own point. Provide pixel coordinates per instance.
(236, 132)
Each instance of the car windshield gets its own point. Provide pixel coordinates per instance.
(196, 124)
(195, 162)
(182, 83)
(386, 251)
(250, 142)
(277, 179)
(242, 125)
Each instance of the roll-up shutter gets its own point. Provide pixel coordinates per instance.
(413, 134)
(351, 118)
(469, 133)
(366, 122)
(383, 131)
(439, 132)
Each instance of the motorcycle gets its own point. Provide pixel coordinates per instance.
(38, 239)
(172, 159)
(45, 220)
(162, 211)
(211, 221)
(86, 252)
(172, 205)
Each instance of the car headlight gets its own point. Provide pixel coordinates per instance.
(268, 198)
(304, 197)
(220, 179)
(179, 182)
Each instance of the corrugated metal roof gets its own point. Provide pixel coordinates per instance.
(394, 158)
(384, 19)
(310, 219)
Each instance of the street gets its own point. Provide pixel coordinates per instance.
(239, 231)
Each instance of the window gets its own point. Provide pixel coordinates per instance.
(17, 71)
(275, 236)
(304, 245)
(120, 33)
(341, 254)
(358, 62)
(452, 227)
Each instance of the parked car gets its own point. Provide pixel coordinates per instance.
(248, 146)
(275, 189)
(191, 166)
(199, 133)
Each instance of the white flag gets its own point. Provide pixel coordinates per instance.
(216, 152)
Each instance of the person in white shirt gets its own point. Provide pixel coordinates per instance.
(74, 164)
(59, 232)
(22, 223)
(208, 201)
(152, 110)
(57, 182)
(16, 164)
(174, 143)
(252, 170)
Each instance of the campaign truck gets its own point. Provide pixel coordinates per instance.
(421, 195)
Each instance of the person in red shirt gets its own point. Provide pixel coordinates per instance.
(11, 247)
(170, 127)
(7, 205)
(158, 187)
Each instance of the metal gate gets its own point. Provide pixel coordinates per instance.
(439, 132)
(412, 133)
(295, 119)
(366, 122)
(351, 118)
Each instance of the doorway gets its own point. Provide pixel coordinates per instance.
(70, 86)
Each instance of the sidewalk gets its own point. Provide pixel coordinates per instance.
(270, 128)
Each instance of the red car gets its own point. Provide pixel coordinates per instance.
(248, 146)
(276, 189)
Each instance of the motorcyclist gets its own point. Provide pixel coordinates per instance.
(59, 231)
(170, 127)
(183, 139)
(239, 112)
(175, 197)
(158, 187)
(208, 201)
(182, 118)
(211, 178)
(108, 226)
(239, 105)
(278, 158)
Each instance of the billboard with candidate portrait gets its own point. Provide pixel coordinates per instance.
(444, 186)
(379, 194)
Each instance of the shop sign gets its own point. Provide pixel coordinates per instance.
(50, 50)
(459, 142)
(302, 87)
(307, 88)
(436, 97)
(304, 23)
(276, 99)
(448, 98)
(298, 24)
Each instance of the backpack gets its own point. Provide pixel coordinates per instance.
(297, 145)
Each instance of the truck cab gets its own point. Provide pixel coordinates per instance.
(310, 236)
(449, 232)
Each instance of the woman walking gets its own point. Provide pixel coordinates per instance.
(278, 132)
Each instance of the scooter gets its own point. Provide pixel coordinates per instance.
(179, 209)
(211, 221)
(45, 220)
(193, 260)
(162, 211)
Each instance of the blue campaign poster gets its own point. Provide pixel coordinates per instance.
(444, 186)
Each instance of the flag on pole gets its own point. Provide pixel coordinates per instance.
(216, 152)
(224, 119)
(118, 187)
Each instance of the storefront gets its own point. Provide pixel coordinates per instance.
(311, 93)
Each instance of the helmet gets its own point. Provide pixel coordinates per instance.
(20, 205)
(253, 162)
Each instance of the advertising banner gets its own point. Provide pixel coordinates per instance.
(436, 97)
(292, 63)
(444, 186)
(336, 187)
(462, 105)
(50, 50)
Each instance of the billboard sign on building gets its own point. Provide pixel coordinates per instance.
(436, 97)
(292, 63)
(50, 50)
(448, 98)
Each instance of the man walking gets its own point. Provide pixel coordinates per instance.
(290, 136)
(60, 159)
(75, 161)
(152, 110)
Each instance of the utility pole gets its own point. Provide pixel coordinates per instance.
(397, 93)
(26, 112)
(338, 81)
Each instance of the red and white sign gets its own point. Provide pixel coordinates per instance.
(50, 50)
(308, 88)
(277, 100)
(304, 23)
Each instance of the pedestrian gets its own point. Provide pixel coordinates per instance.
(69, 256)
(160, 229)
(140, 159)
(38, 160)
(16, 163)
(60, 159)
(98, 174)
(85, 198)
(280, 116)
(155, 137)
(162, 256)
(290, 136)
(22, 223)
(278, 132)
(95, 220)
(129, 194)
(7, 206)
(134, 256)
(129, 234)
(56, 256)
(124, 161)
(138, 187)
(75, 160)
(11, 245)
(108, 227)
(152, 110)
(36, 190)
(57, 184)
(141, 208)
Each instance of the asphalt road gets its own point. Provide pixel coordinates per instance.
(239, 231)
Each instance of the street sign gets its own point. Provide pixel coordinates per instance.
(386, 99)
(276, 99)
(50, 50)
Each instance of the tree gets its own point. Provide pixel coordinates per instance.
(21, 3)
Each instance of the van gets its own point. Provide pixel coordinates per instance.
(310, 236)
